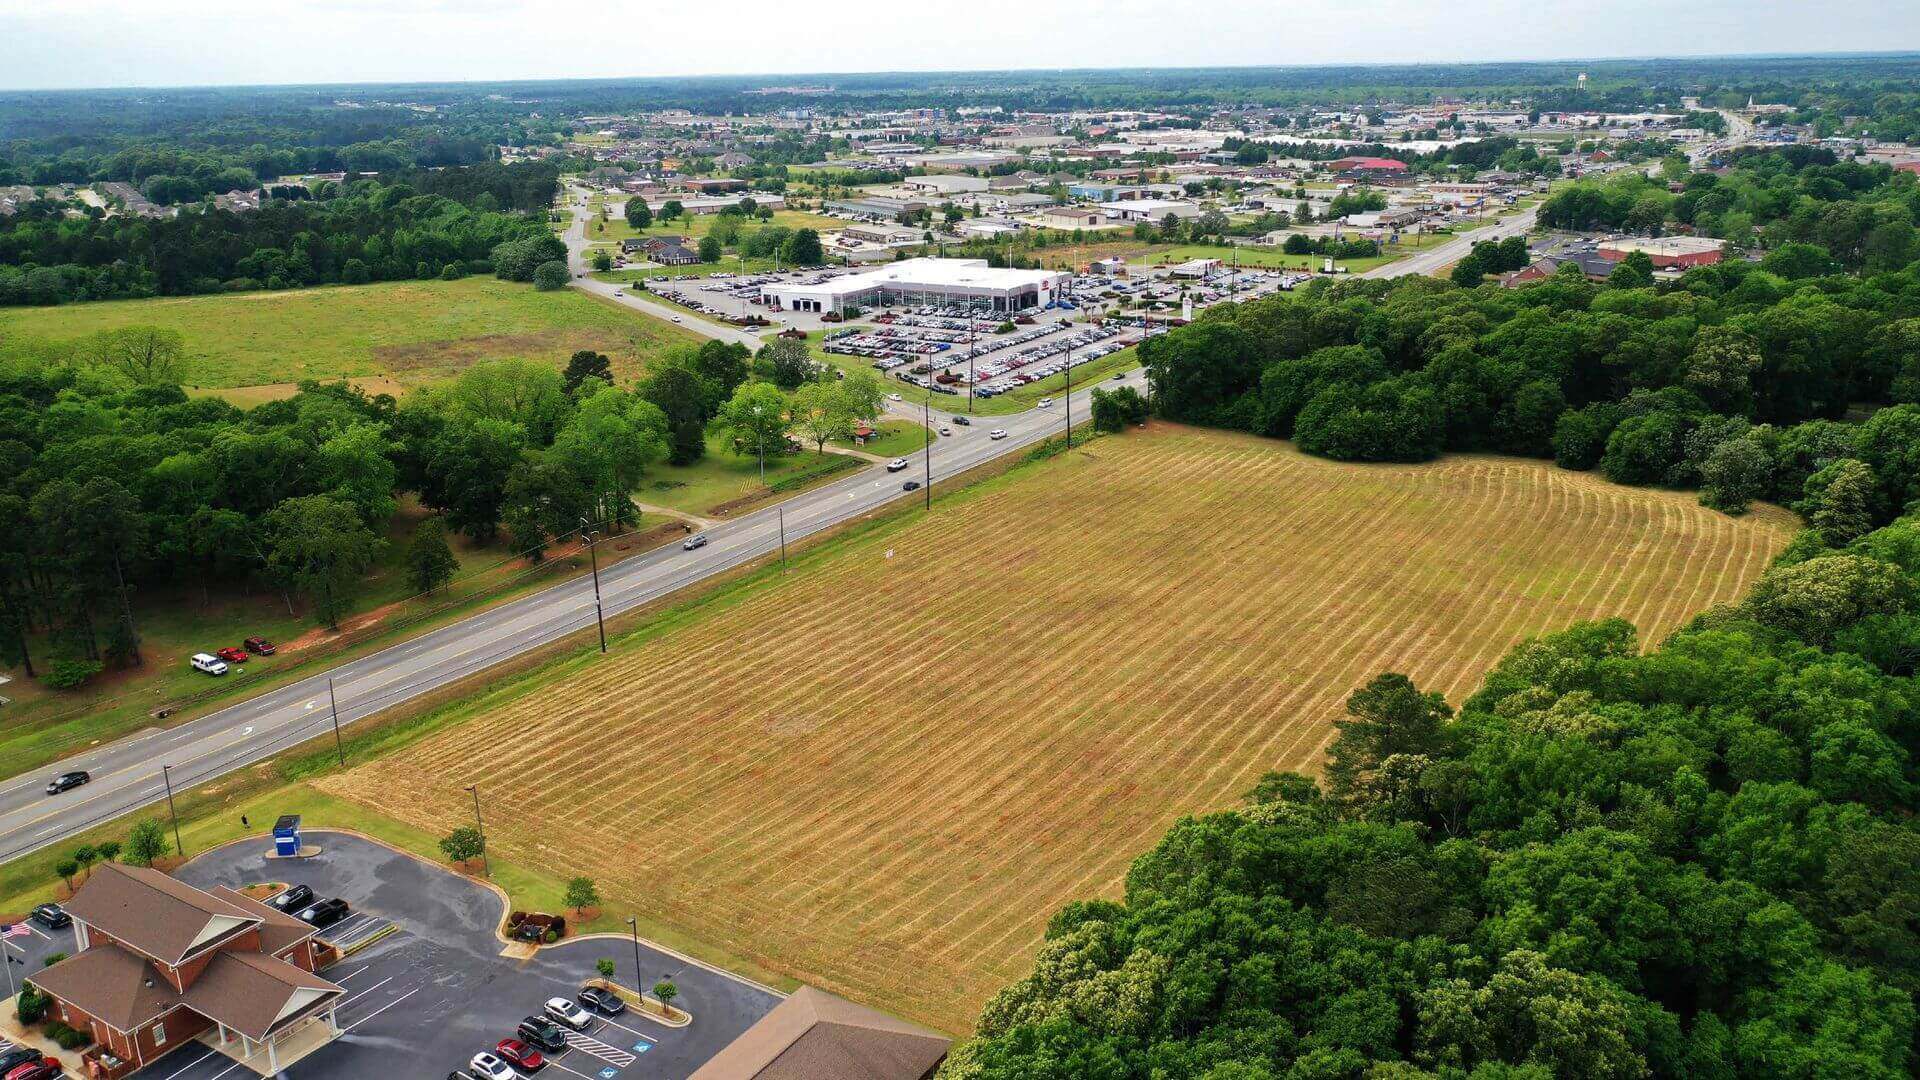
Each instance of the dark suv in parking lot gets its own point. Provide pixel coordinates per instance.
(542, 1033)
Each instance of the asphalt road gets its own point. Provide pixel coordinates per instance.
(129, 773)
(1456, 248)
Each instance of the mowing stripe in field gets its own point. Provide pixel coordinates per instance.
(882, 774)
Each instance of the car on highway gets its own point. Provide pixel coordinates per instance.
(1119, 376)
(697, 540)
(232, 655)
(325, 913)
(894, 397)
(619, 292)
(51, 916)
(1046, 403)
(258, 645)
(568, 1013)
(997, 433)
(67, 781)
(946, 431)
(485, 1066)
(675, 318)
(911, 485)
(208, 663)
(294, 898)
(520, 1055)
(543, 1033)
(604, 1002)
(962, 421)
(896, 464)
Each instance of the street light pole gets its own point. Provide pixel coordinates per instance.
(782, 512)
(334, 704)
(166, 777)
(486, 865)
(926, 421)
(639, 984)
(593, 555)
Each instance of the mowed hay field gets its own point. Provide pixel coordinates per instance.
(882, 774)
(399, 333)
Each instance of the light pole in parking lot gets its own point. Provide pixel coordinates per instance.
(166, 777)
(333, 706)
(971, 324)
(599, 616)
(486, 866)
(1066, 400)
(639, 984)
(926, 421)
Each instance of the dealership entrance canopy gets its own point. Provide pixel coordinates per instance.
(923, 281)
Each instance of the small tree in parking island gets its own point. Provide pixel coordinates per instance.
(147, 842)
(666, 992)
(463, 845)
(581, 894)
(605, 967)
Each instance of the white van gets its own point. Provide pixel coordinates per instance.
(208, 663)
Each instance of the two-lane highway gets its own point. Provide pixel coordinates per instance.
(127, 774)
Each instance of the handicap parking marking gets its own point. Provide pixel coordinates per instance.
(609, 1073)
(606, 1052)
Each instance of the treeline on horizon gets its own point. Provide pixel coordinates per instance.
(412, 224)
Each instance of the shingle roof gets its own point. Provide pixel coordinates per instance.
(279, 931)
(814, 1034)
(109, 984)
(151, 912)
(251, 993)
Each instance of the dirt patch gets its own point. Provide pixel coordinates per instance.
(459, 353)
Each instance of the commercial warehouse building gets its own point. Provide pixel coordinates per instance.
(1667, 251)
(922, 281)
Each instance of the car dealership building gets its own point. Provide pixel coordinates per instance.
(914, 282)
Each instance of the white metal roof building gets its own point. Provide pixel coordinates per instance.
(922, 281)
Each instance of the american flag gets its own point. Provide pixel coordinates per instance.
(15, 930)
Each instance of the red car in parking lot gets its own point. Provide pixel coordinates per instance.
(232, 655)
(520, 1055)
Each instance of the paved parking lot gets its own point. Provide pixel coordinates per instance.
(433, 991)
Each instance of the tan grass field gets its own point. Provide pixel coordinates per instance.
(883, 774)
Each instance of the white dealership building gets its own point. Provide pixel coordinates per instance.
(913, 282)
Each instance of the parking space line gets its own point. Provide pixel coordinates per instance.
(625, 1028)
(381, 1009)
(191, 1064)
(576, 1072)
(340, 930)
(365, 992)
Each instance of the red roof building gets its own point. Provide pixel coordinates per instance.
(1367, 164)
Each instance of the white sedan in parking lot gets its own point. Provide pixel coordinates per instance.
(488, 1067)
(568, 1013)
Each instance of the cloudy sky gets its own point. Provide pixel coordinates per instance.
(79, 43)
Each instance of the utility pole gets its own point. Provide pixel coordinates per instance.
(333, 704)
(1066, 400)
(166, 777)
(486, 865)
(782, 511)
(926, 421)
(971, 324)
(593, 555)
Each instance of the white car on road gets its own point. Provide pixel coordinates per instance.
(997, 433)
(896, 464)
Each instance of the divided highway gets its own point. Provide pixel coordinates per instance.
(127, 774)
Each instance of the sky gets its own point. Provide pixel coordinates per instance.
(105, 43)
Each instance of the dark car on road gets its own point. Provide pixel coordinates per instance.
(698, 540)
(911, 485)
(604, 1002)
(297, 898)
(259, 645)
(962, 421)
(325, 913)
(543, 1033)
(53, 917)
(67, 781)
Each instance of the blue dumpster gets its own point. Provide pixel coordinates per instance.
(286, 836)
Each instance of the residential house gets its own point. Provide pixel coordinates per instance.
(158, 962)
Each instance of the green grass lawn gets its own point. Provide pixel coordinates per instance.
(692, 226)
(896, 438)
(408, 333)
(724, 483)
(1019, 399)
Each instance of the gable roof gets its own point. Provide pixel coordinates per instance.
(279, 931)
(109, 984)
(253, 994)
(815, 1034)
(152, 913)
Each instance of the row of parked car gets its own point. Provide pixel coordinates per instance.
(300, 902)
(218, 661)
(26, 1063)
(541, 1035)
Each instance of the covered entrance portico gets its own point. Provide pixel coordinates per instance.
(281, 1047)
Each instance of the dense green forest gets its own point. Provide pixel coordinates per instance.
(363, 230)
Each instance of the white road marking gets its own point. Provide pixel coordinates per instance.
(365, 992)
(191, 1064)
(381, 1009)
